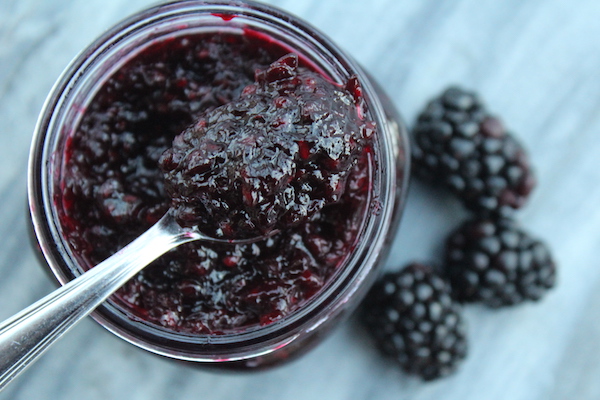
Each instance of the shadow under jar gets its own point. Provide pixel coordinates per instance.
(95, 185)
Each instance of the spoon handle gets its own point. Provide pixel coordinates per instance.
(28, 334)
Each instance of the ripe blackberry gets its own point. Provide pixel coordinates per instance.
(497, 263)
(458, 144)
(414, 320)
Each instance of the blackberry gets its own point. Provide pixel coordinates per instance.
(497, 263)
(414, 320)
(458, 144)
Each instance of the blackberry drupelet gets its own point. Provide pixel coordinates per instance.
(414, 320)
(497, 263)
(458, 144)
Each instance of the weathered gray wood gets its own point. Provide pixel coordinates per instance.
(536, 62)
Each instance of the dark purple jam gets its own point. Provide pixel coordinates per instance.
(269, 160)
(310, 184)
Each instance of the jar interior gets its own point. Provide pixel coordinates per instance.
(106, 58)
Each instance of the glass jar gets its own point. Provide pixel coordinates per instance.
(294, 333)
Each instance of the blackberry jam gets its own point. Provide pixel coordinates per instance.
(330, 181)
(288, 153)
(272, 159)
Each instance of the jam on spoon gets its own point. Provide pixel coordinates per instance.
(271, 159)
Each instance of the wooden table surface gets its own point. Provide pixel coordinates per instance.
(537, 65)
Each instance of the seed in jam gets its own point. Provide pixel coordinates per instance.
(111, 188)
(269, 160)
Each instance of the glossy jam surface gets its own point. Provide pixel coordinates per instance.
(269, 160)
(112, 189)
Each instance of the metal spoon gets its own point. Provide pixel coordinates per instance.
(26, 335)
